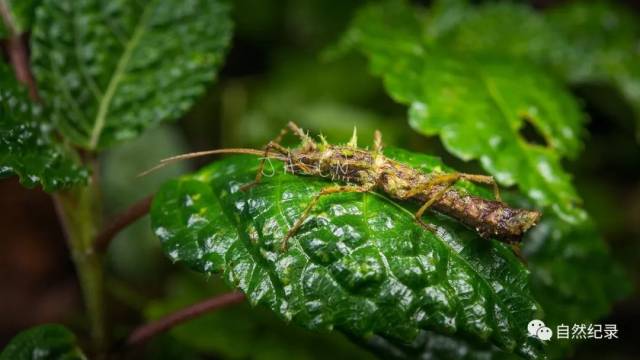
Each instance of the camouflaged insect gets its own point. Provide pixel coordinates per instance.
(363, 170)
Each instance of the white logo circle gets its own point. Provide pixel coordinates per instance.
(544, 333)
(533, 327)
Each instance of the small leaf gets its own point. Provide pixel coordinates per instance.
(360, 263)
(479, 105)
(50, 341)
(109, 70)
(27, 147)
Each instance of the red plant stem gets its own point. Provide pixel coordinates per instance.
(126, 218)
(149, 330)
(18, 54)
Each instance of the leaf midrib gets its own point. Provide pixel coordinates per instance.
(259, 262)
(117, 76)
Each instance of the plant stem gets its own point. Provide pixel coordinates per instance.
(121, 221)
(79, 211)
(147, 331)
(17, 51)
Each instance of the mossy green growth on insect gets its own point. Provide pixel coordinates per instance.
(364, 170)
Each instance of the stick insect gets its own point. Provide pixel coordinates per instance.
(361, 170)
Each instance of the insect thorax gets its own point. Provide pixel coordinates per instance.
(336, 163)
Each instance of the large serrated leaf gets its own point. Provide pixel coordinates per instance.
(500, 28)
(477, 105)
(27, 147)
(360, 263)
(582, 42)
(51, 342)
(109, 70)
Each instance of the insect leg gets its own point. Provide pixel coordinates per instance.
(517, 251)
(483, 179)
(307, 141)
(436, 180)
(427, 204)
(326, 191)
(452, 178)
(273, 144)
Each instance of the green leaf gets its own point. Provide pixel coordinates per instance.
(109, 70)
(442, 58)
(581, 42)
(21, 13)
(506, 29)
(249, 333)
(478, 105)
(360, 264)
(431, 345)
(573, 277)
(50, 342)
(27, 145)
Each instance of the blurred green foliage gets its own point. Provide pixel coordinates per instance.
(121, 185)
(21, 12)
(274, 73)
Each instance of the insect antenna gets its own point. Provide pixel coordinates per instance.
(197, 154)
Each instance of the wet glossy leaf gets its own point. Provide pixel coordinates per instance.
(109, 70)
(21, 13)
(248, 333)
(573, 277)
(431, 345)
(50, 342)
(360, 264)
(479, 106)
(27, 146)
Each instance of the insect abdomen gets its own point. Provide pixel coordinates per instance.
(490, 219)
